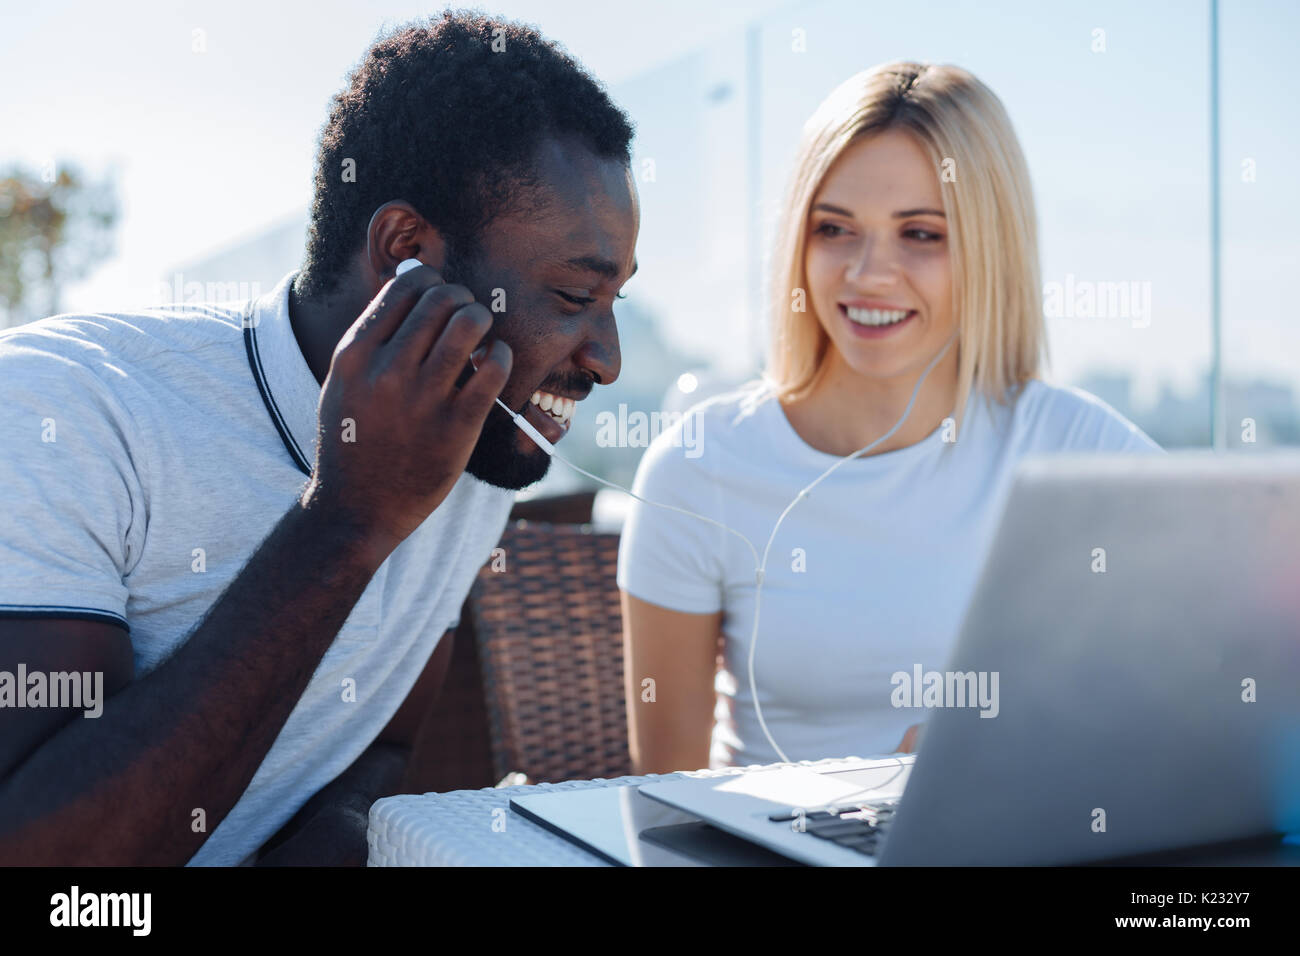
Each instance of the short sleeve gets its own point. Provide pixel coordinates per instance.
(666, 557)
(1069, 419)
(1124, 436)
(72, 524)
(1109, 431)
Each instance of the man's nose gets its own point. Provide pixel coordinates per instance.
(599, 353)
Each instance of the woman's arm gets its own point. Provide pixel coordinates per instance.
(669, 721)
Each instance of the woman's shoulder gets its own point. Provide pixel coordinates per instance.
(697, 441)
(726, 417)
(1050, 417)
(736, 406)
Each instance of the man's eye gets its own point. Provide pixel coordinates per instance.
(575, 299)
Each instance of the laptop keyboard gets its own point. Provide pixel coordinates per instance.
(860, 827)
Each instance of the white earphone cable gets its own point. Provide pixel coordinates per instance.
(760, 567)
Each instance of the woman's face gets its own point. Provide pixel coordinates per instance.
(877, 260)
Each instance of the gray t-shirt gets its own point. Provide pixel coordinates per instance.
(144, 456)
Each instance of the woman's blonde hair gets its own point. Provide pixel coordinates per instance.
(997, 292)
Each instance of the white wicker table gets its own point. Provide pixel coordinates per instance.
(478, 827)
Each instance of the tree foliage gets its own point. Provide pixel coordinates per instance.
(55, 227)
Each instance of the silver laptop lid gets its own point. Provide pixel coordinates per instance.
(1142, 615)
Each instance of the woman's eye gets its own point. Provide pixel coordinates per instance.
(924, 235)
(828, 229)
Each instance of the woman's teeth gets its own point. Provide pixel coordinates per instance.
(561, 409)
(877, 316)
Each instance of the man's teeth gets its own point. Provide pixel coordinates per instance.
(561, 409)
(877, 316)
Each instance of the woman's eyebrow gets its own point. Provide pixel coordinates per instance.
(901, 214)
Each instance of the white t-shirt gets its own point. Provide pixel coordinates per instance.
(144, 457)
(868, 576)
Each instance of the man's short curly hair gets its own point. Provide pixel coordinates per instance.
(447, 114)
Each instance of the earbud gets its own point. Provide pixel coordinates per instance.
(406, 265)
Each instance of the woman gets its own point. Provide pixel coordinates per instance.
(908, 240)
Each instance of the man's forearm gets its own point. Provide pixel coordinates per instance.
(122, 789)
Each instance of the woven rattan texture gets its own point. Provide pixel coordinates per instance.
(550, 645)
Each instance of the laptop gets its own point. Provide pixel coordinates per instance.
(1143, 616)
(623, 828)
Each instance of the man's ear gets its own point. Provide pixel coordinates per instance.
(397, 232)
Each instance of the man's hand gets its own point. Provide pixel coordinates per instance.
(911, 739)
(330, 828)
(333, 837)
(395, 432)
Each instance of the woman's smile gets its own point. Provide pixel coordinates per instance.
(876, 322)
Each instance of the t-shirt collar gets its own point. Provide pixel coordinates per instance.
(288, 388)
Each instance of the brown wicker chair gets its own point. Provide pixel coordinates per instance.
(455, 749)
(549, 632)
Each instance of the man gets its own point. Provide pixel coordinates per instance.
(257, 521)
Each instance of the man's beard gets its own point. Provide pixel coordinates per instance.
(496, 458)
